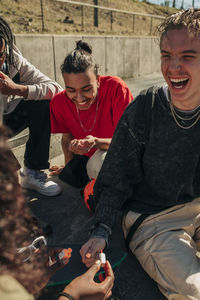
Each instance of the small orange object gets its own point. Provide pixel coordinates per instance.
(65, 255)
(88, 191)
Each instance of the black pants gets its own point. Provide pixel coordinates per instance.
(35, 115)
(75, 173)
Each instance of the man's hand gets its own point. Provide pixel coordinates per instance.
(85, 288)
(89, 251)
(82, 146)
(8, 87)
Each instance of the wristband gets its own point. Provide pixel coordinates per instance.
(66, 295)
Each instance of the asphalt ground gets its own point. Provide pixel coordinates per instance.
(138, 84)
(66, 220)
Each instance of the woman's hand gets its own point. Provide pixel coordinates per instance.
(90, 250)
(85, 288)
(82, 146)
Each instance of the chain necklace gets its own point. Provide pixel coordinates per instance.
(82, 126)
(176, 116)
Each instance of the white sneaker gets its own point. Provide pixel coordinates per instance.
(37, 180)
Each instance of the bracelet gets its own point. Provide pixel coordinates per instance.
(66, 295)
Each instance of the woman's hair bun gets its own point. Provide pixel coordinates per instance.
(80, 45)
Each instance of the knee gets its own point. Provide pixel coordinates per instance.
(94, 163)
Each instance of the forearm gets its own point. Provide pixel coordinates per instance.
(9, 87)
(65, 141)
(102, 143)
(108, 208)
(101, 231)
(21, 90)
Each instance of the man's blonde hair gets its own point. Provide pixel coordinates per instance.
(189, 19)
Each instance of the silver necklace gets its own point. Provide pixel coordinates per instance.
(176, 116)
(82, 126)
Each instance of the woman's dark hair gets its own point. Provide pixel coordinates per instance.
(79, 60)
(17, 227)
(7, 36)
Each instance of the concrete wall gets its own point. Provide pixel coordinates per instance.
(116, 55)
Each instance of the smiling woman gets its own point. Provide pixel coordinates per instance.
(81, 88)
(87, 113)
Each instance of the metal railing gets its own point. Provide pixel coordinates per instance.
(111, 13)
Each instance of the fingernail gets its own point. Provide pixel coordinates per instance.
(97, 262)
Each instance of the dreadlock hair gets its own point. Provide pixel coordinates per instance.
(79, 60)
(7, 36)
(189, 19)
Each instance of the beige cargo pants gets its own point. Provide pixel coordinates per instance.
(166, 246)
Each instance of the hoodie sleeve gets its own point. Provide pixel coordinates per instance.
(121, 169)
(39, 85)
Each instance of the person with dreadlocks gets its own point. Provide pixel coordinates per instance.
(155, 177)
(26, 93)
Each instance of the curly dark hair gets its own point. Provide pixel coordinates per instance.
(17, 227)
(189, 19)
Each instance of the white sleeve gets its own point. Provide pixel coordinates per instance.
(39, 85)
